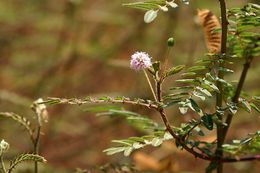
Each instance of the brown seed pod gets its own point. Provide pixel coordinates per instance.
(210, 23)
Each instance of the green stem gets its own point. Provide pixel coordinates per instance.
(191, 150)
(2, 163)
(166, 59)
(150, 85)
(237, 93)
(219, 97)
(36, 147)
(169, 128)
(158, 90)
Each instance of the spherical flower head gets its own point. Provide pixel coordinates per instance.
(140, 60)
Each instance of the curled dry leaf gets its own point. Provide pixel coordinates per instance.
(211, 28)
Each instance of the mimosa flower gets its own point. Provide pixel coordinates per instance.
(140, 60)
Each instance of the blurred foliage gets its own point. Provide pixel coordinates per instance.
(245, 146)
(70, 48)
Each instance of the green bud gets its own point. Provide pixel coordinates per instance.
(156, 66)
(171, 42)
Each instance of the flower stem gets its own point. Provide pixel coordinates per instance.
(150, 85)
(219, 97)
(166, 59)
(2, 163)
(36, 147)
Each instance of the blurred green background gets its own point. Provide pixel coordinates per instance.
(76, 48)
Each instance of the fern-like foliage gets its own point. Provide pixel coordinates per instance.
(24, 158)
(244, 36)
(249, 145)
(157, 134)
(152, 7)
(133, 143)
(255, 103)
(156, 137)
(197, 82)
(19, 119)
(244, 43)
(137, 120)
(146, 4)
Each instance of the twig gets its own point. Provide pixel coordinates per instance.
(2, 162)
(197, 154)
(36, 147)
(249, 158)
(190, 130)
(157, 107)
(235, 99)
(179, 140)
(150, 85)
(159, 90)
(169, 129)
(74, 101)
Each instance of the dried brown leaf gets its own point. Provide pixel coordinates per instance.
(210, 25)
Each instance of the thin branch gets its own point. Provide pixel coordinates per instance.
(74, 101)
(219, 96)
(186, 136)
(143, 103)
(159, 90)
(235, 99)
(2, 162)
(150, 85)
(201, 155)
(181, 141)
(169, 129)
(242, 159)
(36, 147)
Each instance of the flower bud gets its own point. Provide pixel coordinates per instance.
(171, 42)
(4, 146)
(41, 111)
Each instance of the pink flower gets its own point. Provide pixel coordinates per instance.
(140, 60)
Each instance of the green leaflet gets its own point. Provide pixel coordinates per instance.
(25, 157)
(133, 143)
(246, 106)
(146, 4)
(207, 121)
(150, 16)
(152, 7)
(133, 118)
(255, 107)
(173, 70)
(248, 145)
